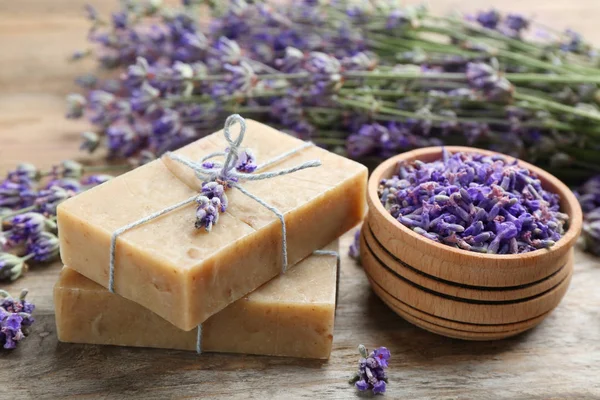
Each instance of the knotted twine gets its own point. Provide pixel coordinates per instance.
(226, 175)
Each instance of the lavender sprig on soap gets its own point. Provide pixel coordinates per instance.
(371, 370)
(487, 204)
(15, 319)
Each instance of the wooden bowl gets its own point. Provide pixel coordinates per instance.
(453, 329)
(399, 307)
(461, 266)
(461, 310)
(491, 294)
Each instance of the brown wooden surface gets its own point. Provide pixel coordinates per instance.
(558, 359)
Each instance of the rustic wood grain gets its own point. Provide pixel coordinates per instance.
(459, 310)
(558, 359)
(455, 290)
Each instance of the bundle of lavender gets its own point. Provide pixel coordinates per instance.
(369, 79)
(28, 201)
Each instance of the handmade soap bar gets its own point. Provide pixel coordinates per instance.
(291, 315)
(185, 274)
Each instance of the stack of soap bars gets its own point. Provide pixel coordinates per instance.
(224, 290)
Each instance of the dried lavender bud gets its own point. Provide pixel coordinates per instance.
(354, 250)
(68, 169)
(474, 202)
(24, 172)
(371, 374)
(23, 226)
(15, 319)
(75, 105)
(11, 267)
(43, 247)
(246, 161)
(207, 213)
(48, 199)
(591, 231)
(90, 141)
(17, 195)
(94, 180)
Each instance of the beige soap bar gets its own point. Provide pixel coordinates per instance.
(185, 275)
(291, 315)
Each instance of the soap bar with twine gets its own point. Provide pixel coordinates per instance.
(185, 274)
(291, 315)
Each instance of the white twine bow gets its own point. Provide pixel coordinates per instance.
(224, 173)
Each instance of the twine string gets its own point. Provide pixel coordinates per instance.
(225, 172)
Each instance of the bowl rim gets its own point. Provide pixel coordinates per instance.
(566, 195)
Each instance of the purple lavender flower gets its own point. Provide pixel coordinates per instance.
(137, 73)
(24, 173)
(396, 18)
(241, 78)
(95, 180)
(23, 226)
(354, 250)
(324, 72)
(69, 184)
(371, 370)
(167, 124)
(120, 20)
(475, 202)
(122, 140)
(573, 42)
(227, 51)
(483, 77)
(291, 61)
(366, 141)
(17, 195)
(48, 199)
(488, 19)
(43, 247)
(246, 161)
(144, 97)
(591, 231)
(516, 22)
(15, 319)
(207, 213)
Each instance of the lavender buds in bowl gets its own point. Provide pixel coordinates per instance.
(472, 216)
(475, 202)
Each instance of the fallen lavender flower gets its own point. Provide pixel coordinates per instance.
(354, 251)
(15, 319)
(480, 203)
(371, 370)
(588, 195)
(28, 201)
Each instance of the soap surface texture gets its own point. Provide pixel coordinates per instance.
(291, 315)
(185, 274)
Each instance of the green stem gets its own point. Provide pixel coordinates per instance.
(17, 212)
(557, 106)
(99, 168)
(523, 77)
(27, 257)
(329, 141)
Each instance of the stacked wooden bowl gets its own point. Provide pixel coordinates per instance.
(458, 293)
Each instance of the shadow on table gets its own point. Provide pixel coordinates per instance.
(418, 345)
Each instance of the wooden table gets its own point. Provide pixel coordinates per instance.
(558, 359)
